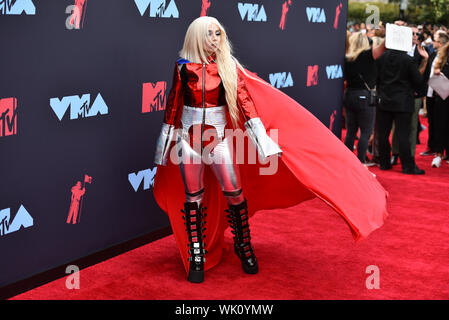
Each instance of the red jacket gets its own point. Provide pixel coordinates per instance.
(187, 89)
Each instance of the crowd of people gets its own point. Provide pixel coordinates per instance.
(385, 92)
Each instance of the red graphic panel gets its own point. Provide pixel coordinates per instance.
(8, 117)
(77, 194)
(312, 75)
(337, 15)
(76, 204)
(154, 96)
(285, 7)
(205, 7)
(79, 13)
(332, 120)
(87, 179)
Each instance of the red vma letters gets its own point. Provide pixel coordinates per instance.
(154, 96)
(8, 117)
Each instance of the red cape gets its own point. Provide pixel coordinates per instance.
(304, 172)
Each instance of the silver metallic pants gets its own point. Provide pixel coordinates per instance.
(226, 171)
(220, 160)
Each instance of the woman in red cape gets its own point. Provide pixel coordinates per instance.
(302, 170)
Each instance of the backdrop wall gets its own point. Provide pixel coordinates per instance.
(83, 86)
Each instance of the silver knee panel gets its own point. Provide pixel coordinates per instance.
(221, 162)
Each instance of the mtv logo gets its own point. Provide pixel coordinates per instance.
(17, 7)
(154, 96)
(147, 176)
(22, 219)
(158, 8)
(312, 75)
(316, 15)
(8, 117)
(281, 80)
(80, 107)
(252, 12)
(334, 72)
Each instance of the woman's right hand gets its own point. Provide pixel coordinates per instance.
(423, 52)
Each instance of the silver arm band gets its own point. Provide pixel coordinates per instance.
(264, 144)
(163, 144)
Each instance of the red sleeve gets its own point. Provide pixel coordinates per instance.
(175, 98)
(244, 100)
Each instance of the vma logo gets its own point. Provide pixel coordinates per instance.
(281, 80)
(316, 15)
(252, 12)
(147, 176)
(8, 117)
(22, 219)
(79, 107)
(154, 96)
(312, 75)
(17, 7)
(334, 72)
(158, 8)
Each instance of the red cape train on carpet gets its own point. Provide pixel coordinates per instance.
(304, 172)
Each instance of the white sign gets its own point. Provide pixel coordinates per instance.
(398, 38)
(440, 84)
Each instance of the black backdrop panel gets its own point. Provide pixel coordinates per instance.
(86, 104)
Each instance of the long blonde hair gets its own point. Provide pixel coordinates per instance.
(442, 57)
(358, 42)
(194, 51)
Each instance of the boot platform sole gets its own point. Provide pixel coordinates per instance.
(196, 276)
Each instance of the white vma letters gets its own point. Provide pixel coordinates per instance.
(79, 107)
(281, 80)
(22, 219)
(316, 15)
(158, 8)
(147, 176)
(17, 8)
(334, 72)
(252, 12)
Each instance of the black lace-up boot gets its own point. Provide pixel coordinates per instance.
(193, 216)
(238, 215)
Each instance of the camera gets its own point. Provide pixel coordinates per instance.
(420, 37)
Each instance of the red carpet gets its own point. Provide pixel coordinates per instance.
(305, 252)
